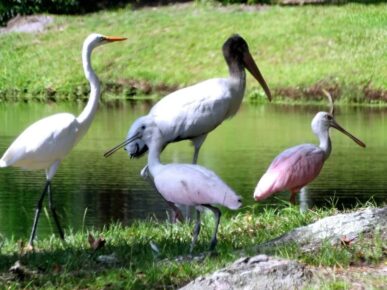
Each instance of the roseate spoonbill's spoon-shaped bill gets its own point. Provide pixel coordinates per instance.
(45, 143)
(191, 113)
(297, 166)
(187, 184)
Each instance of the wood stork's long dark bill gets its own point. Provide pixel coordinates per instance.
(237, 55)
(253, 69)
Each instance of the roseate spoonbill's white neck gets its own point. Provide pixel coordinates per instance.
(187, 184)
(46, 142)
(297, 166)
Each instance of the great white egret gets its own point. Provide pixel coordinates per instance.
(45, 143)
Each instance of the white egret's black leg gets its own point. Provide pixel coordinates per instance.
(217, 214)
(37, 213)
(196, 231)
(53, 211)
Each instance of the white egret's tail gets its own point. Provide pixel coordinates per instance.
(3, 163)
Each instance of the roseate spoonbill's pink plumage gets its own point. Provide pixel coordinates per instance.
(45, 143)
(186, 184)
(192, 112)
(299, 165)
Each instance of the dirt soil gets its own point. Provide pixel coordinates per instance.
(358, 277)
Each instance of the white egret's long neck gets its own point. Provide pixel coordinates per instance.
(87, 115)
(325, 142)
(155, 147)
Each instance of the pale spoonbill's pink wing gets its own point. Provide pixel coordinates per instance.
(291, 170)
(194, 185)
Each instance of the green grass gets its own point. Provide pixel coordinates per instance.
(74, 264)
(303, 48)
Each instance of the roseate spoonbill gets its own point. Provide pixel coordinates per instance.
(192, 112)
(46, 142)
(186, 184)
(297, 166)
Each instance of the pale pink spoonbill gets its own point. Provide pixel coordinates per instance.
(186, 184)
(45, 143)
(192, 112)
(299, 165)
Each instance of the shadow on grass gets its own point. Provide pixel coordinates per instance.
(76, 264)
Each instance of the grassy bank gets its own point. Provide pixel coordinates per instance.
(136, 266)
(299, 50)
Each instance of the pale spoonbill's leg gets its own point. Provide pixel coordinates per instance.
(176, 213)
(217, 215)
(196, 230)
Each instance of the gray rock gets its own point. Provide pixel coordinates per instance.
(258, 272)
(265, 272)
(334, 229)
(27, 24)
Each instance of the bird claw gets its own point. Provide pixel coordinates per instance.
(213, 244)
(29, 248)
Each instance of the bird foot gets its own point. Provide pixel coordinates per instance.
(213, 244)
(29, 248)
(192, 258)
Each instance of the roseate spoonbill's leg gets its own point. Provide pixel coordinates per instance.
(37, 213)
(217, 215)
(293, 196)
(196, 231)
(53, 211)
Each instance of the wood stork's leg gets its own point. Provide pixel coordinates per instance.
(197, 142)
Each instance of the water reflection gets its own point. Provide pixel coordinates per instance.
(239, 151)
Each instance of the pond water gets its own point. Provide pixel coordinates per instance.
(91, 191)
